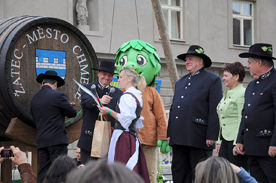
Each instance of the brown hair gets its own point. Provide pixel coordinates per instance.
(236, 68)
(58, 170)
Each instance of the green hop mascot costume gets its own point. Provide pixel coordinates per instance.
(143, 58)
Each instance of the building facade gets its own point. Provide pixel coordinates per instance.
(224, 28)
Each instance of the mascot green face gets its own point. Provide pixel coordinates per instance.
(140, 55)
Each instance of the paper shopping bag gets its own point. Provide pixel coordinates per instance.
(101, 138)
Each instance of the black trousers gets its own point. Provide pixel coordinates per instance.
(85, 157)
(262, 168)
(184, 161)
(226, 151)
(46, 157)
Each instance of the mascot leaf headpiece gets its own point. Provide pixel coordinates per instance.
(140, 55)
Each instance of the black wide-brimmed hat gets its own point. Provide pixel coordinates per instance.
(107, 66)
(197, 51)
(259, 50)
(50, 74)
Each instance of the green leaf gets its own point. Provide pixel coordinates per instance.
(133, 43)
(264, 48)
(125, 47)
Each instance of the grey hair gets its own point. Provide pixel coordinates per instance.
(50, 81)
(215, 170)
(266, 62)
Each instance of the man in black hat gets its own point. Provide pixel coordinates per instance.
(193, 122)
(257, 133)
(90, 110)
(49, 108)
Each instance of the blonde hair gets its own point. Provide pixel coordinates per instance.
(215, 170)
(137, 80)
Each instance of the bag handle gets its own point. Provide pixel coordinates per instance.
(100, 116)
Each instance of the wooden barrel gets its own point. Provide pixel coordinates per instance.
(30, 45)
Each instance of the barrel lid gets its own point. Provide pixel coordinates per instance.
(30, 45)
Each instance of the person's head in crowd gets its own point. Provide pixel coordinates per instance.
(100, 171)
(78, 154)
(105, 72)
(51, 79)
(195, 59)
(260, 59)
(129, 77)
(233, 74)
(215, 170)
(61, 166)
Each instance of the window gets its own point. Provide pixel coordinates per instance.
(172, 10)
(242, 23)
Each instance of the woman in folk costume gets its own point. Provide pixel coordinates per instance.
(125, 146)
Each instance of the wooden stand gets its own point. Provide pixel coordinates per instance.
(24, 137)
(21, 132)
(27, 134)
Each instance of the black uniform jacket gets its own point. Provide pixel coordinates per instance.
(49, 108)
(193, 117)
(91, 113)
(258, 124)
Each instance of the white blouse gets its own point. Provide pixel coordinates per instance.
(128, 106)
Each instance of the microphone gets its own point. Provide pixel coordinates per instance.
(111, 91)
(93, 89)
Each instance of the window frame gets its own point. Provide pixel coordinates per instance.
(243, 17)
(170, 8)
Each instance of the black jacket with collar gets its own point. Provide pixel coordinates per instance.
(258, 124)
(91, 113)
(49, 108)
(193, 116)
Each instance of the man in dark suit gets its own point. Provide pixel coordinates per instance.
(193, 122)
(49, 108)
(257, 133)
(90, 110)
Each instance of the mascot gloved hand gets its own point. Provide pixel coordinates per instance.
(164, 146)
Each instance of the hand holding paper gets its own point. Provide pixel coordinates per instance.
(89, 92)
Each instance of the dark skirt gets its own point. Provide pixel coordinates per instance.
(125, 148)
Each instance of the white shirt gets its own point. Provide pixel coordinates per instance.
(128, 106)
